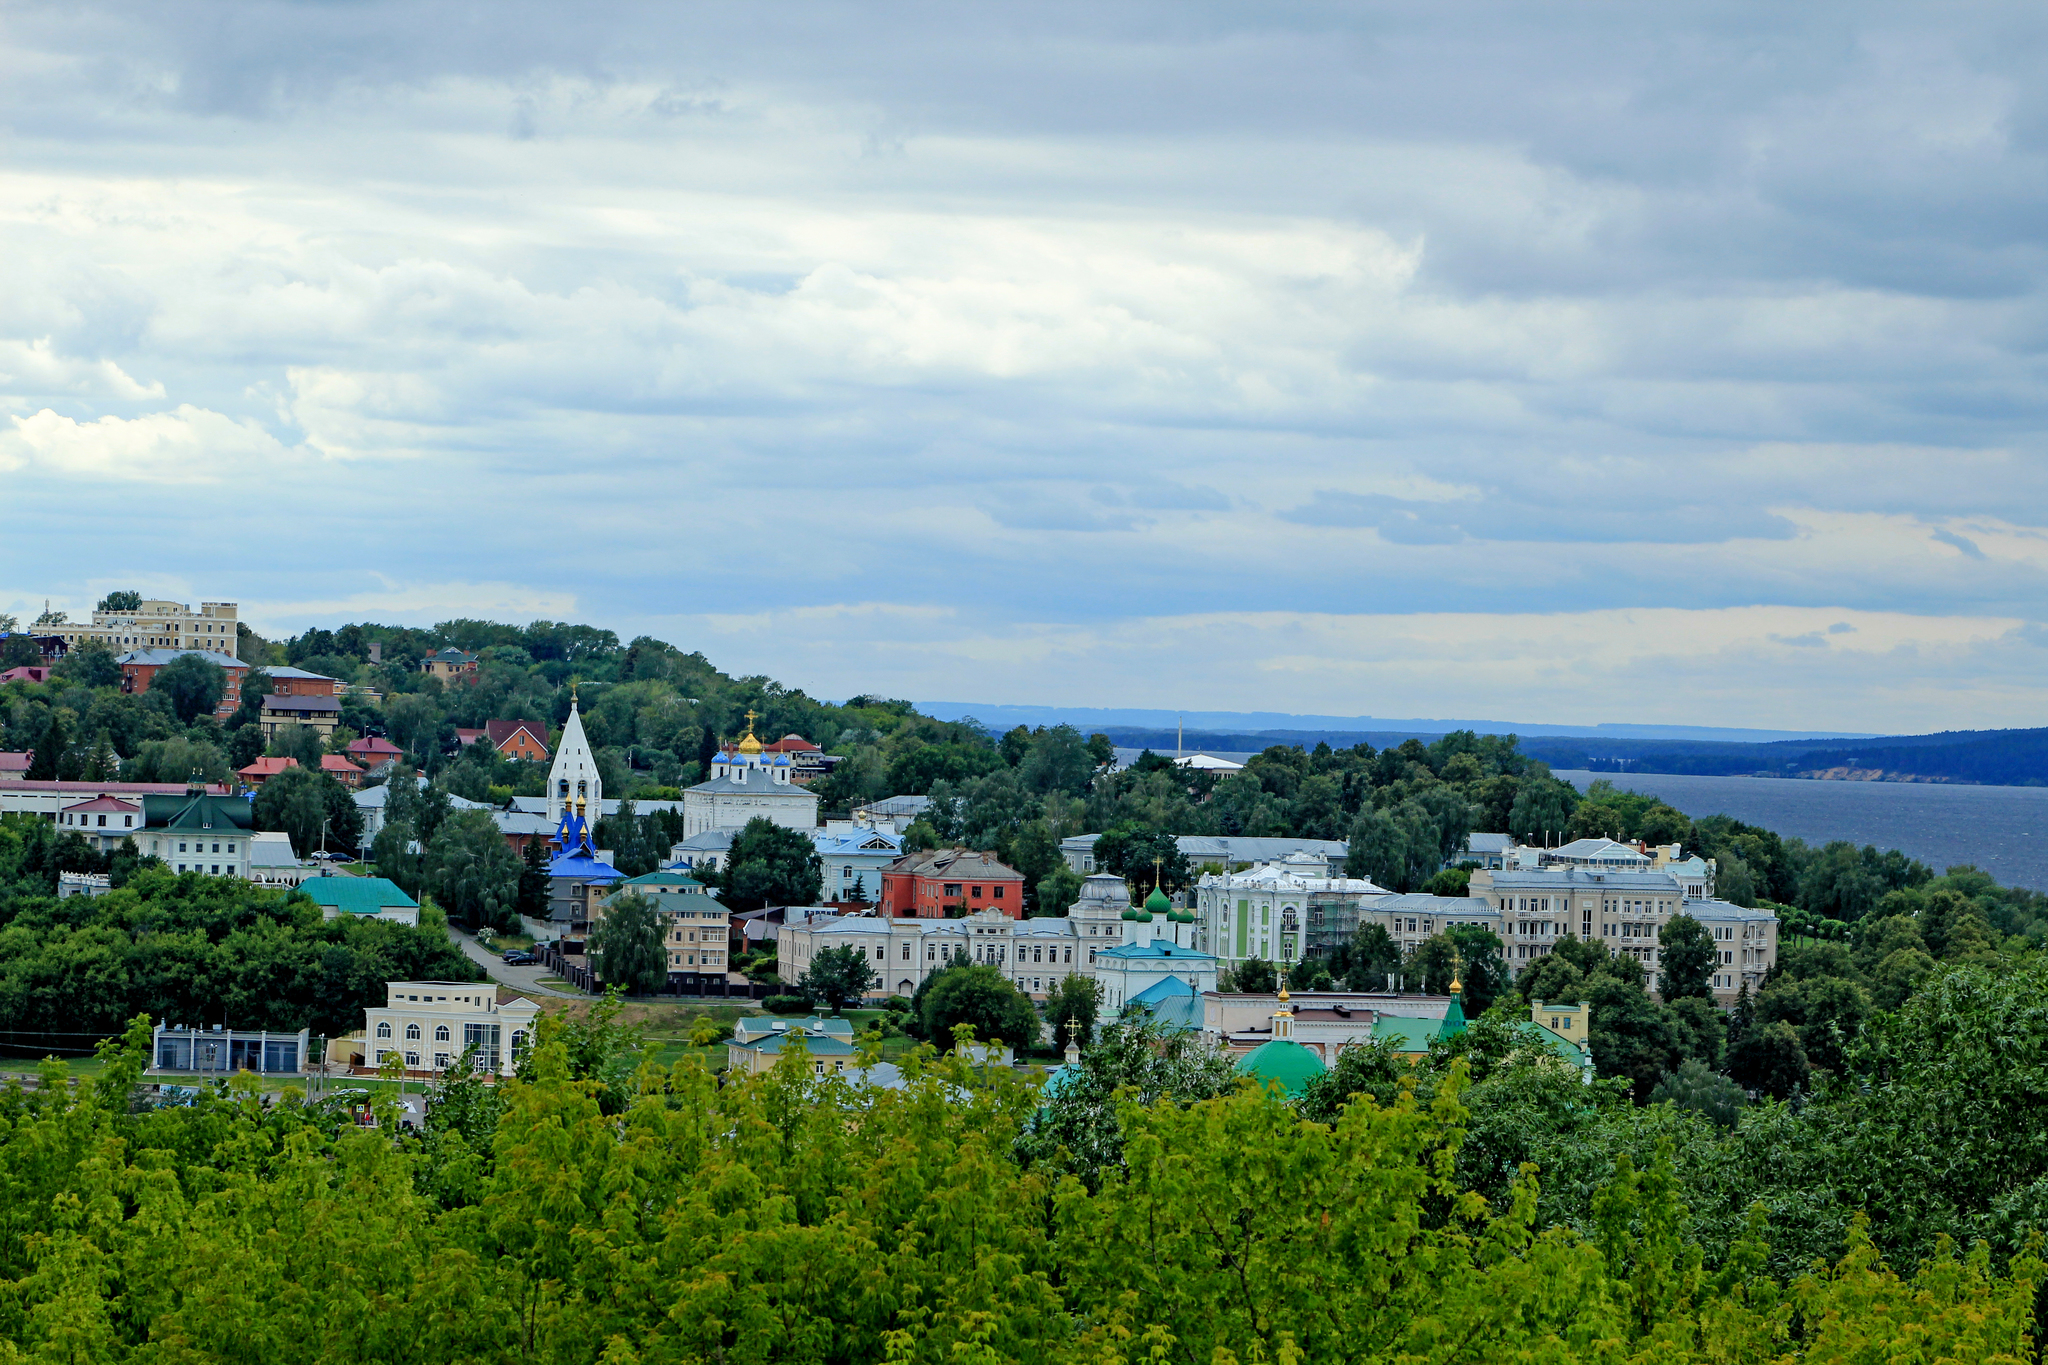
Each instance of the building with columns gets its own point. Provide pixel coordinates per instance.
(1279, 911)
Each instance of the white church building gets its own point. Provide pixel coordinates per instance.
(573, 783)
(744, 785)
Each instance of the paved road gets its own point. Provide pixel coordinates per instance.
(519, 978)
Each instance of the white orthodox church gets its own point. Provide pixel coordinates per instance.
(744, 785)
(573, 783)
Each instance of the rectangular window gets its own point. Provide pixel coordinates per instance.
(952, 889)
(999, 893)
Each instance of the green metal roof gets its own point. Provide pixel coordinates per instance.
(1533, 1032)
(357, 895)
(1409, 1035)
(1283, 1061)
(228, 814)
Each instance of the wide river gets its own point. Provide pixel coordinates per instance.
(2003, 830)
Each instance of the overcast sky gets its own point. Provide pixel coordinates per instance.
(1565, 363)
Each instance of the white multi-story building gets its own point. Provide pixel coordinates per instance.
(431, 1023)
(1034, 953)
(1277, 911)
(155, 625)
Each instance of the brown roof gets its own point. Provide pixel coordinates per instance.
(790, 744)
(335, 763)
(968, 864)
(373, 744)
(501, 732)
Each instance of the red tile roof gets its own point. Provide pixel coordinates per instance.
(375, 747)
(790, 744)
(107, 803)
(335, 763)
(467, 737)
(17, 763)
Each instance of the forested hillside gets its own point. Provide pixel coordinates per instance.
(580, 1215)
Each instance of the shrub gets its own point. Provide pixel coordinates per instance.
(786, 1004)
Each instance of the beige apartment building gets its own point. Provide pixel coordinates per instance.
(1627, 910)
(155, 625)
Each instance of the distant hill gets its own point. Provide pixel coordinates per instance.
(1997, 757)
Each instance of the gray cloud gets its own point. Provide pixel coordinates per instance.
(1068, 310)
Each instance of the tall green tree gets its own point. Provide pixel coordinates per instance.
(194, 686)
(626, 945)
(837, 976)
(975, 993)
(770, 865)
(1072, 1008)
(49, 752)
(310, 807)
(1688, 956)
(471, 871)
(121, 600)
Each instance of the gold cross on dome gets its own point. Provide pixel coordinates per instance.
(752, 716)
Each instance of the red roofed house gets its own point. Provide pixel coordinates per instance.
(34, 673)
(263, 769)
(341, 770)
(931, 884)
(374, 750)
(14, 767)
(518, 739)
(104, 821)
(334, 765)
(467, 737)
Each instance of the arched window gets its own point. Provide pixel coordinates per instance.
(440, 1033)
(384, 1029)
(518, 1043)
(412, 1033)
(565, 789)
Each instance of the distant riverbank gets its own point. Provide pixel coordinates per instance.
(2003, 830)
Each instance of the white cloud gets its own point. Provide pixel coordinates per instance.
(187, 445)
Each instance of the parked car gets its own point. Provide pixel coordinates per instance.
(321, 855)
(516, 958)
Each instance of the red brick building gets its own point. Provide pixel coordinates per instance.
(954, 881)
(518, 739)
(138, 666)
